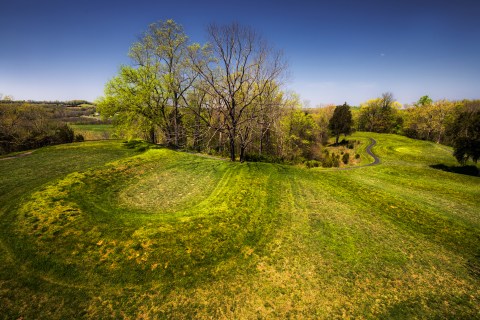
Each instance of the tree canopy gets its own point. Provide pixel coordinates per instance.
(226, 97)
(466, 136)
(147, 95)
(341, 121)
(380, 115)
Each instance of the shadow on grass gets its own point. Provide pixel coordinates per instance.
(140, 145)
(466, 170)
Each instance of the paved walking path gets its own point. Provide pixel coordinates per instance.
(376, 160)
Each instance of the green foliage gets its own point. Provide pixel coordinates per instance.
(424, 100)
(330, 159)
(465, 133)
(312, 164)
(380, 115)
(429, 121)
(24, 127)
(301, 130)
(346, 158)
(341, 121)
(144, 100)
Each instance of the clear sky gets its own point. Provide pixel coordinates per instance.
(337, 50)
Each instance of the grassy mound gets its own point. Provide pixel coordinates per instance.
(101, 231)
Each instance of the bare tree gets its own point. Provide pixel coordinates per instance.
(238, 67)
(387, 100)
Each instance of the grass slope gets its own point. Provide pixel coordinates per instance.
(98, 231)
(94, 131)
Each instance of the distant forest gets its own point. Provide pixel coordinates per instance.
(69, 103)
(32, 124)
(227, 98)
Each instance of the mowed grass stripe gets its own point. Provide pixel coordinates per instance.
(251, 240)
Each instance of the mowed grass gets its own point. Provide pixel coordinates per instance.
(94, 131)
(95, 230)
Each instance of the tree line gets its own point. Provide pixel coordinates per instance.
(226, 97)
(453, 123)
(8, 99)
(26, 126)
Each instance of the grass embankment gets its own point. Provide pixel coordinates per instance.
(173, 235)
(94, 131)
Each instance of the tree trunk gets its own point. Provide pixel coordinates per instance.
(260, 150)
(196, 134)
(242, 153)
(175, 120)
(232, 147)
(151, 134)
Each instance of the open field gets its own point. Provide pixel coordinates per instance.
(96, 230)
(94, 131)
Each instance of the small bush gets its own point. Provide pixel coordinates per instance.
(331, 160)
(327, 162)
(63, 134)
(336, 160)
(79, 138)
(312, 164)
(357, 156)
(346, 158)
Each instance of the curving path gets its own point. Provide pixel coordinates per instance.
(376, 160)
(17, 156)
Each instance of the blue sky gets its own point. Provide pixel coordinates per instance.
(337, 50)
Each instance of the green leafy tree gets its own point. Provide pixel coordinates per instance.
(465, 133)
(27, 126)
(380, 115)
(301, 134)
(147, 96)
(429, 120)
(322, 116)
(341, 121)
(424, 100)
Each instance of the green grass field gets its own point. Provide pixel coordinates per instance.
(94, 131)
(96, 230)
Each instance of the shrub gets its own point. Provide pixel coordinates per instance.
(312, 164)
(336, 160)
(63, 134)
(346, 158)
(327, 162)
(357, 156)
(79, 138)
(331, 160)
